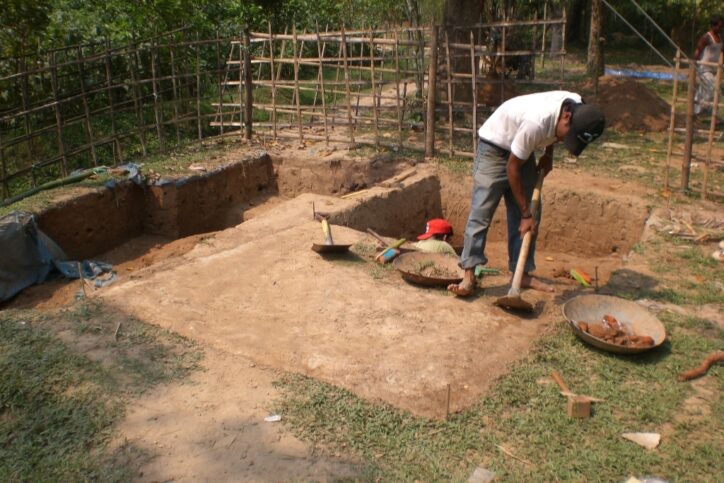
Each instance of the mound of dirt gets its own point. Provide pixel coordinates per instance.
(630, 106)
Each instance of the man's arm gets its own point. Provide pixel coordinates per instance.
(703, 42)
(545, 162)
(516, 185)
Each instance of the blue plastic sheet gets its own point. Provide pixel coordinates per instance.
(640, 74)
(28, 257)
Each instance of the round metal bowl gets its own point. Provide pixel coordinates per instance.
(408, 265)
(592, 308)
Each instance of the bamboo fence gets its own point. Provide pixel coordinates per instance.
(94, 104)
(710, 137)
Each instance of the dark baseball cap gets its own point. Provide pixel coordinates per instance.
(587, 123)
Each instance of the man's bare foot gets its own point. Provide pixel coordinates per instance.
(466, 287)
(534, 284)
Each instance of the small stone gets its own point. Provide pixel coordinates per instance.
(481, 475)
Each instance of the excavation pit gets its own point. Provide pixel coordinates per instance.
(253, 287)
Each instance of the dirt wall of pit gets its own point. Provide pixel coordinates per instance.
(576, 221)
(102, 219)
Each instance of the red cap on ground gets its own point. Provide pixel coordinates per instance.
(437, 226)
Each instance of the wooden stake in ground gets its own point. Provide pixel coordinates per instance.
(345, 65)
(373, 76)
(686, 163)
(672, 121)
(431, 95)
(451, 132)
(58, 116)
(320, 51)
(86, 110)
(397, 85)
(248, 87)
(174, 89)
(272, 78)
(475, 93)
(296, 85)
(712, 126)
(156, 99)
(578, 406)
(111, 106)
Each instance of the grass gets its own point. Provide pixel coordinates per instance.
(526, 416)
(58, 408)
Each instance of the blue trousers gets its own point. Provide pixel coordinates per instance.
(490, 183)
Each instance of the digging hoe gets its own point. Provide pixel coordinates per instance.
(513, 300)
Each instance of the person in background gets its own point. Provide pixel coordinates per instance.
(708, 49)
(436, 236)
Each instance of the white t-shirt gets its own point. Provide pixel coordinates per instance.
(526, 123)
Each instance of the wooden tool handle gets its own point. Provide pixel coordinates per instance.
(528, 237)
(559, 380)
(379, 238)
(327, 232)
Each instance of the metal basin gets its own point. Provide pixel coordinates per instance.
(592, 308)
(408, 264)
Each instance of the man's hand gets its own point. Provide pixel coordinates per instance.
(545, 163)
(527, 225)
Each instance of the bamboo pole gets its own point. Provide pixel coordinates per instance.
(451, 146)
(281, 54)
(248, 87)
(109, 91)
(241, 84)
(296, 84)
(396, 54)
(563, 46)
(198, 89)
(273, 81)
(346, 86)
(535, 43)
(174, 89)
(475, 94)
(502, 61)
(431, 95)
(672, 121)
(336, 81)
(3, 165)
(712, 126)
(320, 53)
(58, 117)
(86, 113)
(375, 110)
(320, 48)
(543, 39)
(686, 163)
(158, 115)
(137, 103)
(219, 81)
(26, 118)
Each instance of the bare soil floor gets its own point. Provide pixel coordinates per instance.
(259, 300)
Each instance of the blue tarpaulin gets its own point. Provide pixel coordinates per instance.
(28, 257)
(641, 74)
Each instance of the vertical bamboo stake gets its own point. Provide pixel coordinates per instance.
(320, 54)
(109, 93)
(6, 188)
(374, 89)
(502, 59)
(543, 39)
(198, 88)
(397, 85)
(345, 65)
(336, 84)
(86, 111)
(563, 46)
(686, 164)
(273, 81)
(535, 43)
(174, 89)
(475, 94)
(26, 119)
(241, 84)
(672, 121)
(219, 82)
(320, 51)
(156, 97)
(450, 130)
(712, 126)
(359, 83)
(137, 103)
(58, 117)
(248, 87)
(295, 52)
(281, 55)
(431, 95)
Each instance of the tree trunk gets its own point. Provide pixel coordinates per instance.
(594, 64)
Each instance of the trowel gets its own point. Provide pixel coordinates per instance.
(328, 246)
(513, 300)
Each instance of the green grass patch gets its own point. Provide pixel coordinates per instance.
(58, 408)
(527, 418)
